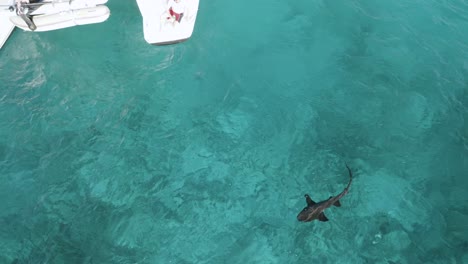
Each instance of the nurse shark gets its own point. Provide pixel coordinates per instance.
(315, 211)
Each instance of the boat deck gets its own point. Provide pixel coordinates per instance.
(157, 30)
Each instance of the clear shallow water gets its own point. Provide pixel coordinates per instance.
(113, 151)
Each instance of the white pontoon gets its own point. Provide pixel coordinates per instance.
(46, 15)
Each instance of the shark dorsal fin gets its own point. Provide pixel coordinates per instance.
(309, 201)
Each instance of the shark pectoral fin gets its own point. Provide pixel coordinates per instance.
(308, 200)
(323, 218)
(337, 203)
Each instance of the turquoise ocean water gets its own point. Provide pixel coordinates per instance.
(115, 151)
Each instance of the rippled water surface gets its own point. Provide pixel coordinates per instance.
(115, 151)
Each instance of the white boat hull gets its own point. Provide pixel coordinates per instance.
(65, 19)
(160, 31)
(5, 29)
(66, 5)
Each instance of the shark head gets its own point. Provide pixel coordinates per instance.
(304, 215)
(310, 212)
